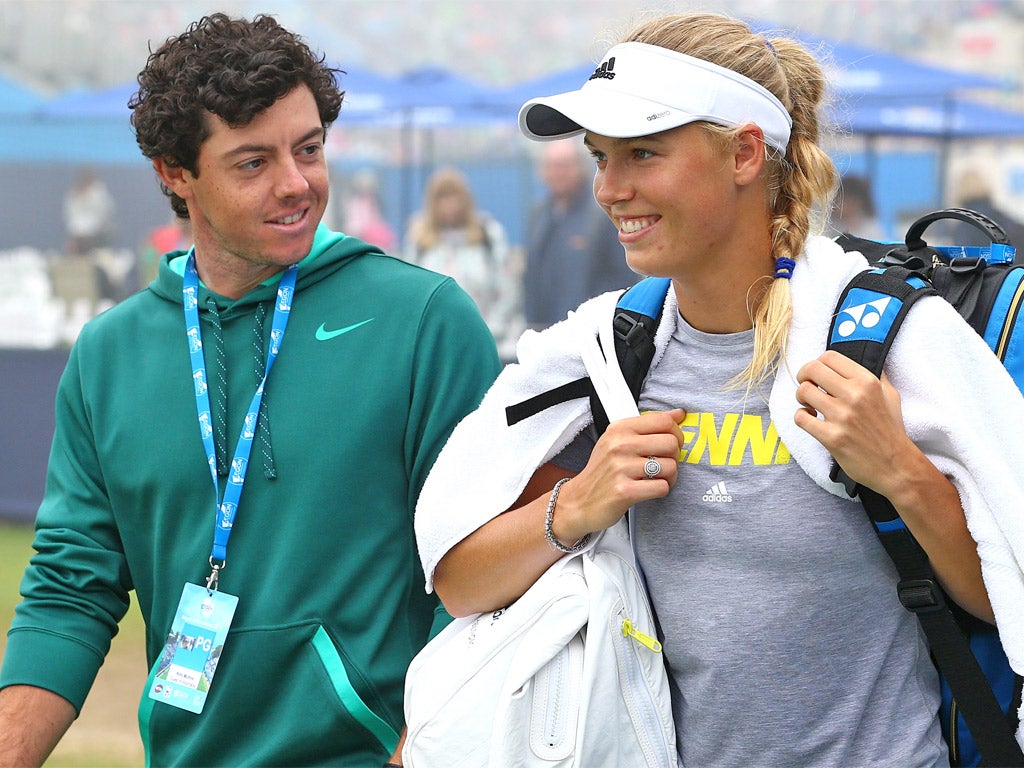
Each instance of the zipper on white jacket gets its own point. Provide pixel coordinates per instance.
(628, 630)
(641, 705)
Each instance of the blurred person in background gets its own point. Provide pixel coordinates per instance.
(451, 235)
(572, 249)
(175, 235)
(973, 190)
(289, 647)
(853, 209)
(90, 214)
(362, 214)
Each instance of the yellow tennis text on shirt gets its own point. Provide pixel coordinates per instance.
(741, 434)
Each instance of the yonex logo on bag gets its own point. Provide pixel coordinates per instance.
(718, 494)
(604, 71)
(865, 316)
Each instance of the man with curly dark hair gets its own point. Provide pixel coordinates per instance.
(290, 647)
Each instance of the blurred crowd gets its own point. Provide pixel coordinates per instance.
(495, 42)
(565, 249)
(569, 251)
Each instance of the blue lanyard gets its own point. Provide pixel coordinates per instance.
(228, 506)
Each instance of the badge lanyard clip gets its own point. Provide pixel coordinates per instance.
(211, 580)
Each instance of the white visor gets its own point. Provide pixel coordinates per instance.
(641, 89)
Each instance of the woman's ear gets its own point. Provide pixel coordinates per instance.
(751, 153)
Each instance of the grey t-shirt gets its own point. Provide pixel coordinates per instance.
(785, 642)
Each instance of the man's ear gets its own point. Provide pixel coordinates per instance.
(751, 153)
(174, 177)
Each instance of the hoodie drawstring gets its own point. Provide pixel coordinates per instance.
(263, 422)
(220, 404)
(220, 390)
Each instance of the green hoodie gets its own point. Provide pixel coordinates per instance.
(379, 362)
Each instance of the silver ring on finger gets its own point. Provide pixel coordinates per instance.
(652, 468)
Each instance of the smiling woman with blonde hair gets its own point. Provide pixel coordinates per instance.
(782, 633)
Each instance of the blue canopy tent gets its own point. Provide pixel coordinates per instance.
(879, 94)
(89, 126)
(16, 98)
(110, 103)
(943, 120)
(370, 97)
(425, 97)
(944, 117)
(18, 103)
(856, 70)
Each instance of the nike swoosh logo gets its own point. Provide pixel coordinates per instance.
(322, 334)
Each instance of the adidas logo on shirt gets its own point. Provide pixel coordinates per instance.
(717, 494)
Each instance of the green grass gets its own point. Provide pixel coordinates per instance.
(15, 550)
(105, 733)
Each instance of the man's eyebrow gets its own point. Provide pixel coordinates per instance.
(244, 149)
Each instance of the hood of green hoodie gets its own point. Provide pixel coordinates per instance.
(330, 252)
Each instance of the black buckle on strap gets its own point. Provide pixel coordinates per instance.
(625, 326)
(920, 595)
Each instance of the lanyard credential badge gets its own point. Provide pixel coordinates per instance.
(185, 669)
(189, 660)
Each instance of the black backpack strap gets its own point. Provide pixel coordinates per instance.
(868, 316)
(920, 593)
(637, 314)
(563, 394)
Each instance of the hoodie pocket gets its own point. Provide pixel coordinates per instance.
(293, 689)
(347, 694)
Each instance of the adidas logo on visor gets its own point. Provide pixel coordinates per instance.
(604, 71)
(637, 81)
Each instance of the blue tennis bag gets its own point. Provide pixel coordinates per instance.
(981, 695)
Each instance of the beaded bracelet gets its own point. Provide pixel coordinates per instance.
(549, 518)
